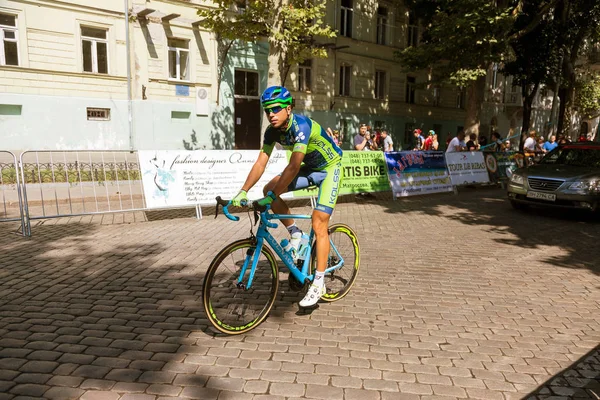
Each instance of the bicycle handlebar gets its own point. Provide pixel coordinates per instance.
(225, 204)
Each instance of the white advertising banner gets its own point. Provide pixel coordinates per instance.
(174, 178)
(467, 168)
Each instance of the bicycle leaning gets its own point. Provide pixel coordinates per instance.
(241, 284)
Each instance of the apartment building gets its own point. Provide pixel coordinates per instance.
(77, 75)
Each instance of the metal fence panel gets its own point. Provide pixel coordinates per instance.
(59, 183)
(11, 201)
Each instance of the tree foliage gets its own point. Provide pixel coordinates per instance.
(587, 98)
(460, 38)
(293, 26)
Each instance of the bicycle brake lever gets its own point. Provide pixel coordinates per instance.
(256, 216)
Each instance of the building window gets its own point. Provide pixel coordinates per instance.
(245, 83)
(413, 31)
(345, 74)
(241, 5)
(179, 59)
(380, 84)
(436, 96)
(411, 83)
(94, 46)
(305, 76)
(495, 76)
(9, 42)
(346, 18)
(382, 20)
(460, 98)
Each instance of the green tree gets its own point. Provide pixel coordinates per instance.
(587, 98)
(578, 22)
(461, 38)
(291, 28)
(535, 56)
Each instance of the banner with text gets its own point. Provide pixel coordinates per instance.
(502, 165)
(417, 172)
(364, 171)
(187, 178)
(467, 168)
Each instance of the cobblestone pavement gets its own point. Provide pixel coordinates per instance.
(457, 297)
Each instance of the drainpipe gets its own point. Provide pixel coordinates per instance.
(129, 100)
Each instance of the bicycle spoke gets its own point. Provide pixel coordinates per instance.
(231, 308)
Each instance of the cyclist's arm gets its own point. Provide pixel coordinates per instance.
(256, 172)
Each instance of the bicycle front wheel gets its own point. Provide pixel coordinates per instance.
(232, 307)
(344, 253)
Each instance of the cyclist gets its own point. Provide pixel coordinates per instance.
(315, 160)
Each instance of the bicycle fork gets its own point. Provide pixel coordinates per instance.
(252, 254)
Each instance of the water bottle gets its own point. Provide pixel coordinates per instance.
(303, 249)
(286, 245)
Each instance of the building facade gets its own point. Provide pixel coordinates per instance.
(71, 77)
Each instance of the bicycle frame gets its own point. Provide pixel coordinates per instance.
(263, 235)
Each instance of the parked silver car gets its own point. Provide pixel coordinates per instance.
(568, 176)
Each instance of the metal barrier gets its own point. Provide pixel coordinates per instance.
(10, 189)
(74, 183)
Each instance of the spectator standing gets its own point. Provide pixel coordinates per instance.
(497, 142)
(550, 144)
(419, 140)
(387, 143)
(429, 141)
(529, 145)
(482, 140)
(457, 144)
(471, 144)
(448, 139)
(361, 142)
(435, 145)
(507, 146)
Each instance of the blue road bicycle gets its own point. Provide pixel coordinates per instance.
(242, 282)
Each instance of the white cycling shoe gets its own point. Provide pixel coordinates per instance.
(312, 296)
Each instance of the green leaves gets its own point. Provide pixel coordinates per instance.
(587, 97)
(460, 38)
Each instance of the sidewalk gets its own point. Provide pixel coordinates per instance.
(458, 296)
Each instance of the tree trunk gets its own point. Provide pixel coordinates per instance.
(474, 101)
(277, 48)
(562, 94)
(528, 97)
(223, 47)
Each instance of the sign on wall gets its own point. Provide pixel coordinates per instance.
(417, 172)
(364, 171)
(466, 168)
(187, 178)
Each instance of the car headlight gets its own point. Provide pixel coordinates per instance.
(592, 186)
(517, 179)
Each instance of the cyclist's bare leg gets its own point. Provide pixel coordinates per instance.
(320, 223)
(278, 206)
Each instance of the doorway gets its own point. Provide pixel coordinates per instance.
(247, 110)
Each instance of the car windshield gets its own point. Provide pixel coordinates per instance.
(580, 156)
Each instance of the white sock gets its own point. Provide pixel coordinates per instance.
(319, 278)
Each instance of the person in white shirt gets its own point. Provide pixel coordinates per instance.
(388, 144)
(529, 145)
(457, 144)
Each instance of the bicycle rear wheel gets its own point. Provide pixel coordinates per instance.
(231, 308)
(343, 245)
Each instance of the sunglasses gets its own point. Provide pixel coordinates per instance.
(274, 110)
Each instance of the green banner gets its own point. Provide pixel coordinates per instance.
(364, 171)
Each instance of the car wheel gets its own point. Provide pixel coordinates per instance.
(518, 206)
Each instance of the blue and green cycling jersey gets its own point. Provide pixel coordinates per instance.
(305, 136)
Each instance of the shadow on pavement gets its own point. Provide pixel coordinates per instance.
(82, 311)
(533, 228)
(582, 380)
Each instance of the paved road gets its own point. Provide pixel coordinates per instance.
(458, 297)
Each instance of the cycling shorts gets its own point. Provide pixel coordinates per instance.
(328, 180)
